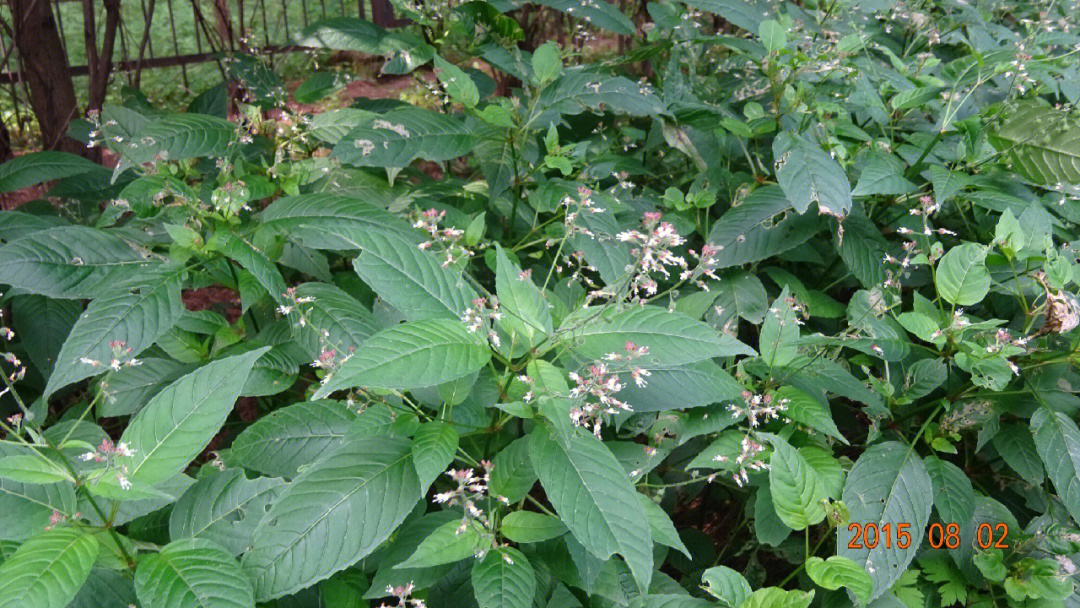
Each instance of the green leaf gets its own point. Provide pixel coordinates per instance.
(338, 314)
(512, 476)
(962, 277)
(412, 280)
(451, 542)
(887, 485)
(947, 182)
(797, 490)
(332, 221)
(672, 338)
(316, 87)
(883, 175)
(177, 137)
(599, 13)
(69, 262)
(47, 570)
(807, 174)
(726, 585)
(779, 333)
(594, 498)
(434, 445)
(404, 543)
(680, 387)
(244, 252)
(775, 597)
(1042, 143)
(504, 578)
(43, 324)
(192, 573)
(223, 507)
(773, 35)
(136, 314)
(32, 469)
(804, 409)
(1058, 442)
(837, 572)
(583, 88)
(1017, 447)
(333, 514)
(182, 419)
(546, 63)
(760, 227)
(37, 167)
(530, 527)
(411, 355)
(954, 497)
(402, 135)
(456, 83)
(663, 531)
(25, 508)
(525, 310)
(279, 443)
(1008, 233)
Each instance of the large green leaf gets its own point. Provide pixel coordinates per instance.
(504, 578)
(680, 387)
(402, 546)
(43, 324)
(434, 445)
(887, 485)
(726, 585)
(253, 260)
(342, 322)
(412, 280)
(451, 542)
(837, 572)
(177, 137)
(671, 337)
(512, 476)
(69, 262)
(137, 313)
(530, 527)
(1017, 447)
(797, 490)
(411, 355)
(594, 497)
(182, 419)
(1043, 143)
(805, 409)
(525, 310)
(223, 507)
(760, 227)
(808, 174)
(962, 276)
(192, 573)
(37, 167)
(600, 13)
(1058, 442)
(398, 137)
(47, 570)
(279, 443)
(582, 89)
(25, 508)
(332, 221)
(333, 514)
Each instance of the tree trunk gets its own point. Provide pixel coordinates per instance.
(45, 66)
(100, 64)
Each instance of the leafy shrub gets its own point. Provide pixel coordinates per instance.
(786, 321)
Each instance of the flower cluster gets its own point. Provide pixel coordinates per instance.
(913, 254)
(749, 459)
(652, 253)
(120, 349)
(403, 595)
(599, 385)
(447, 240)
(470, 489)
(108, 453)
(758, 409)
(483, 313)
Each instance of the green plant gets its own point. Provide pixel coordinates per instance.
(789, 323)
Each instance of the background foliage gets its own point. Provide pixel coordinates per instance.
(774, 309)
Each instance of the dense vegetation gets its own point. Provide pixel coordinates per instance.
(773, 309)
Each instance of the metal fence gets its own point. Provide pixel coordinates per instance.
(169, 33)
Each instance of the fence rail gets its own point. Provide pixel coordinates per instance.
(193, 31)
